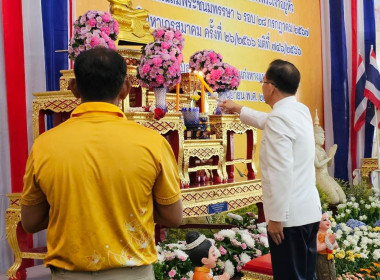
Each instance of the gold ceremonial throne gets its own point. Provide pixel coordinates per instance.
(194, 156)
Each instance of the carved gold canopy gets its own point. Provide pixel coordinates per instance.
(134, 25)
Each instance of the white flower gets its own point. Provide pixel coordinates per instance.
(262, 228)
(353, 199)
(190, 274)
(247, 239)
(244, 258)
(333, 224)
(346, 243)
(340, 206)
(348, 211)
(229, 268)
(235, 217)
(356, 205)
(264, 241)
(160, 258)
(376, 254)
(227, 233)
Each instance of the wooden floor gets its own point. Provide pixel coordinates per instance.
(38, 272)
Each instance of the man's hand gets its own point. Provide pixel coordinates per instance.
(230, 107)
(276, 232)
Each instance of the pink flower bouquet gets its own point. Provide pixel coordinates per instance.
(169, 35)
(201, 60)
(222, 77)
(160, 65)
(94, 28)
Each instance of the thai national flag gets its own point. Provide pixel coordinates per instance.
(30, 33)
(345, 36)
(360, 100)
(372, 85)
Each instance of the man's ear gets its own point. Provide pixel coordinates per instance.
(73, 87)
(204, 261)
(125, 89)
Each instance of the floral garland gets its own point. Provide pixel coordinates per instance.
(94, 28)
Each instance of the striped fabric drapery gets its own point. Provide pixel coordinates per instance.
(345, 36)
(30, 32)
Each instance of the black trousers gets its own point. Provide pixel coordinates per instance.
(295, 258)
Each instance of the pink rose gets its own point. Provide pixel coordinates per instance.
(183, 258)
(94, 41)
(157, 61)
(172, 273)
(229, 71)
(165, 45)
(244, 246)
(159, 33)
(178, 35)
(105, 36)
(106, 17)
(173, 70)
(215, 74)
(111, 45)
(169, 35)
(160, 79)
(222, 251)
(146, 68)
(106, 30)
(212, 56)
(92, 22)
(180, 58)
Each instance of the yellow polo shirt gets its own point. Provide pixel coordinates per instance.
(100, 174)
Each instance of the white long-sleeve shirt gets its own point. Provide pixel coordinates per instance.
(287, 155)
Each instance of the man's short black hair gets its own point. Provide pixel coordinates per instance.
(99, 73)
(284, 75)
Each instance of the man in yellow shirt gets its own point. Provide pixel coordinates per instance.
(98, 182)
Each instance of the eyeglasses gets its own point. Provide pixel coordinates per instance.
(262, 82)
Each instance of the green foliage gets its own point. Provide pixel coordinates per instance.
(362, 190)
(323, 197)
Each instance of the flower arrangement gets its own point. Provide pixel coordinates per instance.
(169, 35)
(94, 28)
(366, 209)
(173, 262)
(234, 247)
(160, 65)
(358, 234)
(222, 77)
(237, 247)
(201, 60)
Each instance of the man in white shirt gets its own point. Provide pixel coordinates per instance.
(291, 201)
